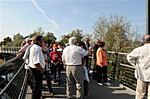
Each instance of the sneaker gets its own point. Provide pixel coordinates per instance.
(51, 93)
(107, 83)
(100, 84)
(69, 97)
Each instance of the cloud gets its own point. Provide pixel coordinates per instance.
(51, 21)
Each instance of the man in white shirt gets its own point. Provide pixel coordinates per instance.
(72, 58)
(140, 59)
(37, 65)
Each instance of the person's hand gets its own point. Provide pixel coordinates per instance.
(18, 55)
(42, 71)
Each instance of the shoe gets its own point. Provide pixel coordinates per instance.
(69, 97)
(59, 82)
(100, 84)
(107, 83)
(55, 81)
(51, 93)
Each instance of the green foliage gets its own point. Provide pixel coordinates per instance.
(116, 32)
(36, 32)
(5, 41)
(50, 38)
(64, 39)
(76, 33)
(18, 39)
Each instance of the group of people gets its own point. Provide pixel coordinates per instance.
(41, 60)
(74, 58)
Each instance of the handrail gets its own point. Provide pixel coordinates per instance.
(6, 87)
(117, 52)
(9, 61)
(125, 65)
(24, 86)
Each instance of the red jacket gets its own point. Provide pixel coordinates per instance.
(55, 55)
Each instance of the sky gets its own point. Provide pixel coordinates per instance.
(63, 16)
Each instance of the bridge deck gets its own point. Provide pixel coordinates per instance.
(113, 91)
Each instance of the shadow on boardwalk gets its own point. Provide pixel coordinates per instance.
(112, 91)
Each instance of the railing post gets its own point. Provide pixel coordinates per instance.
(115, 67)
(118, 66)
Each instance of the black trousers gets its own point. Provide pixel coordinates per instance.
(48, 79)
(56, 72)
(86, 88)
(36, 83)
(101, 74)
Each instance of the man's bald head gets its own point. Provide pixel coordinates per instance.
(147, 39)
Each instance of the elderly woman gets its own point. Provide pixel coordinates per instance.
(101, 64)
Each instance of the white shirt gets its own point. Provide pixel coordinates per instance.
(72, 55)
(36, 56)
(140, 58)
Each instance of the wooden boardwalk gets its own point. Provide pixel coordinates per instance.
(112, 91)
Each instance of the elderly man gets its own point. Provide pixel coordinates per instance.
(72, 58)
(140, 58)
(24, 47)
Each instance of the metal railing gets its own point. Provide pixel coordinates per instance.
(15, 86)
(13, 79)
(120, 70)
(10, 50)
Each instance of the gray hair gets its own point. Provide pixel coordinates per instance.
(72, 41)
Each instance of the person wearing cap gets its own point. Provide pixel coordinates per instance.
(24, 47)
(55, 57)
(101, 64)
(72, 58)
(140, 59)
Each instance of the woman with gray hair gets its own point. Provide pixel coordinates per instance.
(72, 58)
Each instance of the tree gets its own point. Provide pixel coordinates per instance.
(101, 28)
(64, 39)
(116, 32)
(76, 33)
(5, 41)
(18, 39)
(50, 38)
(39, 31)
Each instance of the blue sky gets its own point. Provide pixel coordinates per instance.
(63, 16)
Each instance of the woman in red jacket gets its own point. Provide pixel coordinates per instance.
(55, 57)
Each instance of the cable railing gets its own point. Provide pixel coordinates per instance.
(13, 79)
